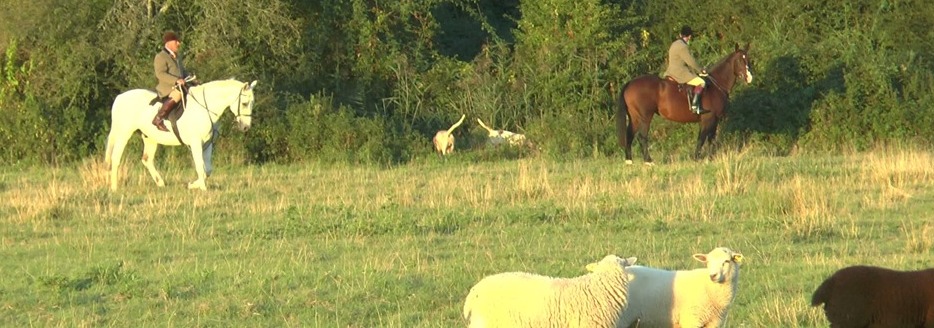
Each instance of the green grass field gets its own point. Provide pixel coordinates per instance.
(348, 246)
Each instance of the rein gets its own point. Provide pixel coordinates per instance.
(204, 104)
(717, 84)
(206, 108)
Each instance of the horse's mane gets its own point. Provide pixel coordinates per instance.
(725, 59)
(222, 82)
(228, 80)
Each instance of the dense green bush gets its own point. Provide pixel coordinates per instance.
(321, 129)
(371, 82)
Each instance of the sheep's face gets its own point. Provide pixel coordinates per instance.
(722, 263)
(611, 262)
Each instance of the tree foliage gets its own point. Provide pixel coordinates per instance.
(371, 81)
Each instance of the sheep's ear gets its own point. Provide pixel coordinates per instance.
(738, 258)
(629, 261)
(701, 257)
(591, 267)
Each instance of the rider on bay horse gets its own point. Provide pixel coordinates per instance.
(170, 72)
(682, 67)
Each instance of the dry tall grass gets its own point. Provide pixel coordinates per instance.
(883, 179)
(896, 173)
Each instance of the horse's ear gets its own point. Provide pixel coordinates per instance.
(250, 85)
(736, 46)
(747, 47)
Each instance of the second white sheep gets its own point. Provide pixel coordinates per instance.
(686, 298)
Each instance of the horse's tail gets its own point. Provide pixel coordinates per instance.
(110, 140)
(110, 150)
(622, 117)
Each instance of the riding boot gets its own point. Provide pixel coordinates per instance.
(162, 114)
(695, 97)
(695, 101)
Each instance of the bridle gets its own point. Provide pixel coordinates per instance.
(239, 105)
(742, 75)
(237, 114)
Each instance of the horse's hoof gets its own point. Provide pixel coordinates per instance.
(628, 162)
(649, 164)
(197, 185)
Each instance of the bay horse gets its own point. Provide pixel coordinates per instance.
(647, 95)
(133, 111)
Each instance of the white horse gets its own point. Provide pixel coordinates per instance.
(204, 105)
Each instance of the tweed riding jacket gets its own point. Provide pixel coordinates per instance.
(168, 70)
(681, 65)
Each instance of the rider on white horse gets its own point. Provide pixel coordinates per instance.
(170, 72)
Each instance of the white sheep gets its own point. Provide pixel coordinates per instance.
(519, 299)
(686, 298)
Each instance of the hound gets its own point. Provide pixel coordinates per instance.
(444, 139)
(497, 137)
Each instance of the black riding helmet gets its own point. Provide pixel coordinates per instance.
(686, 31)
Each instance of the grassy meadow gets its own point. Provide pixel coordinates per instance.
(352, 246)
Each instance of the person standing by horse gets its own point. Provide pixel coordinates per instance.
(170, 74)
(683, 68)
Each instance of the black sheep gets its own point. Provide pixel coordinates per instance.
(865, 296)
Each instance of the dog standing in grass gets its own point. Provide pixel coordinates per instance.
(444, 139)
(498, 137)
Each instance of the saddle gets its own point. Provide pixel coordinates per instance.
(176, 111)
(686, 89)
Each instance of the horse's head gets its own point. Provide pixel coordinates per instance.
(244, 106)
(740, 62)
